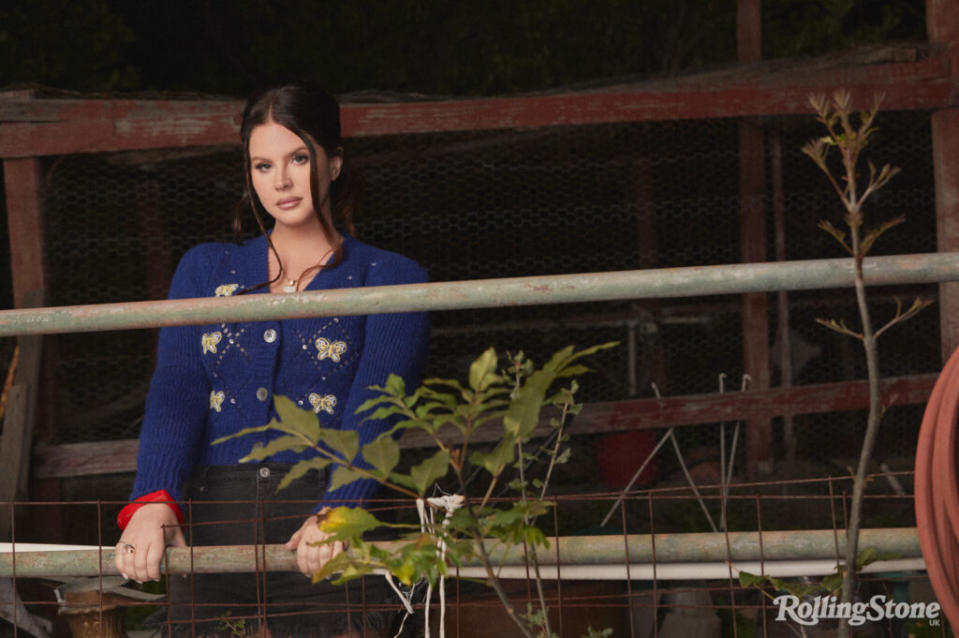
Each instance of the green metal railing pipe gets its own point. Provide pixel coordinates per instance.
(486, 293)
(571, 550)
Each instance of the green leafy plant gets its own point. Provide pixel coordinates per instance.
(232, 628)
(506, 405)
(850, 139)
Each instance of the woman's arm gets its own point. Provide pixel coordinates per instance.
(170, 438)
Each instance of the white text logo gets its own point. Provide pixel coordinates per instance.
(810, 612)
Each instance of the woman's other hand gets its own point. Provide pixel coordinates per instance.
(311, 552)
(140, 549)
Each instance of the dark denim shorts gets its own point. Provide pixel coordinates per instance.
(239, 505)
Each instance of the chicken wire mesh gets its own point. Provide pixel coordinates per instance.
(640, 598)
(481, 204)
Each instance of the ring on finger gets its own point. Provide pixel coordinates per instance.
(126, 547)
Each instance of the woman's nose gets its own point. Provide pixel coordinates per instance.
(282, 180)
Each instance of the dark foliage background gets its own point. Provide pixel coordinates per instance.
(487, 47)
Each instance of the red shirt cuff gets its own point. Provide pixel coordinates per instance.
(160, 496)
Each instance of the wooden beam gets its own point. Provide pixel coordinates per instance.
(17, 437)
(942, 26)
(945, 162)
(755, 316)
(942, 30)
(752, 237)
(25, 228)
(30, 128)
(83, 459)
(749, 31)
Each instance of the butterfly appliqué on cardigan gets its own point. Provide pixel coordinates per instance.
(326, 402)
(327, 349)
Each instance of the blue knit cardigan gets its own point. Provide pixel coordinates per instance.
(216, 379)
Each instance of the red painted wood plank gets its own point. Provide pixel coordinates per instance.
(738, 406)
(581, 109)
(53, 127)
(25, 227)
(82, 459)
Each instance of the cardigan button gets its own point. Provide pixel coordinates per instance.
(262, 394)
(269, 335)
(264, 472)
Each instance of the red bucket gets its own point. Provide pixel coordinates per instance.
(620, 455)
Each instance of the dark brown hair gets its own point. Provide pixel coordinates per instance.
(313, 115)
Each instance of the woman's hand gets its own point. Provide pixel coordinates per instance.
(310, 555)
(140, 548)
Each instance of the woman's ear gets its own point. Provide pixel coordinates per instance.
(336, 164)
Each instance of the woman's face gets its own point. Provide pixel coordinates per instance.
(280, 174)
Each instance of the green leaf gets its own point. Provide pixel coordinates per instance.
(833, 582)
(562, 362)
(559, 359)
(483, 370)
(425, 410)
(444, 398)
(344, 442)
(337, 565)
(277, 445)
(384, 412)
(453, 383)
(402, 479)
(871, 555)
(751, 580)
(383, 454)
(522, 415)
(343, 475)
(300, 468)
(345, 523)
(429, 471)
(395, 385)
(369, 403)
(260, 428)
(405, 572)
(534, 536)
(507, 517)
(794, 587)
(353, 571)
(517, 485)
(574, 371)
(497, 460)
(405, 425)
(296, 420)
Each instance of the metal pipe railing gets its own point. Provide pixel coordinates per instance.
(487, 293)
(565, 550)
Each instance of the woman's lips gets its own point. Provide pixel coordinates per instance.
(290, 202)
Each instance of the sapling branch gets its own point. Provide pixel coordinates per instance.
(850, 139)
(917, 306)
(555, 453)
(493, 581)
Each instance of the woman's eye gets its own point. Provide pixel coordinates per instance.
(262, 166)
(301, 158)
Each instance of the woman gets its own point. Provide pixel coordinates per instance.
(216, 379)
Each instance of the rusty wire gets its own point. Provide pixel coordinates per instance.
(733, 599)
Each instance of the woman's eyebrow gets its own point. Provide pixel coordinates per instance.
(293, 152)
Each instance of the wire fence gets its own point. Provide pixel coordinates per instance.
(656, 565)
(537, 202)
